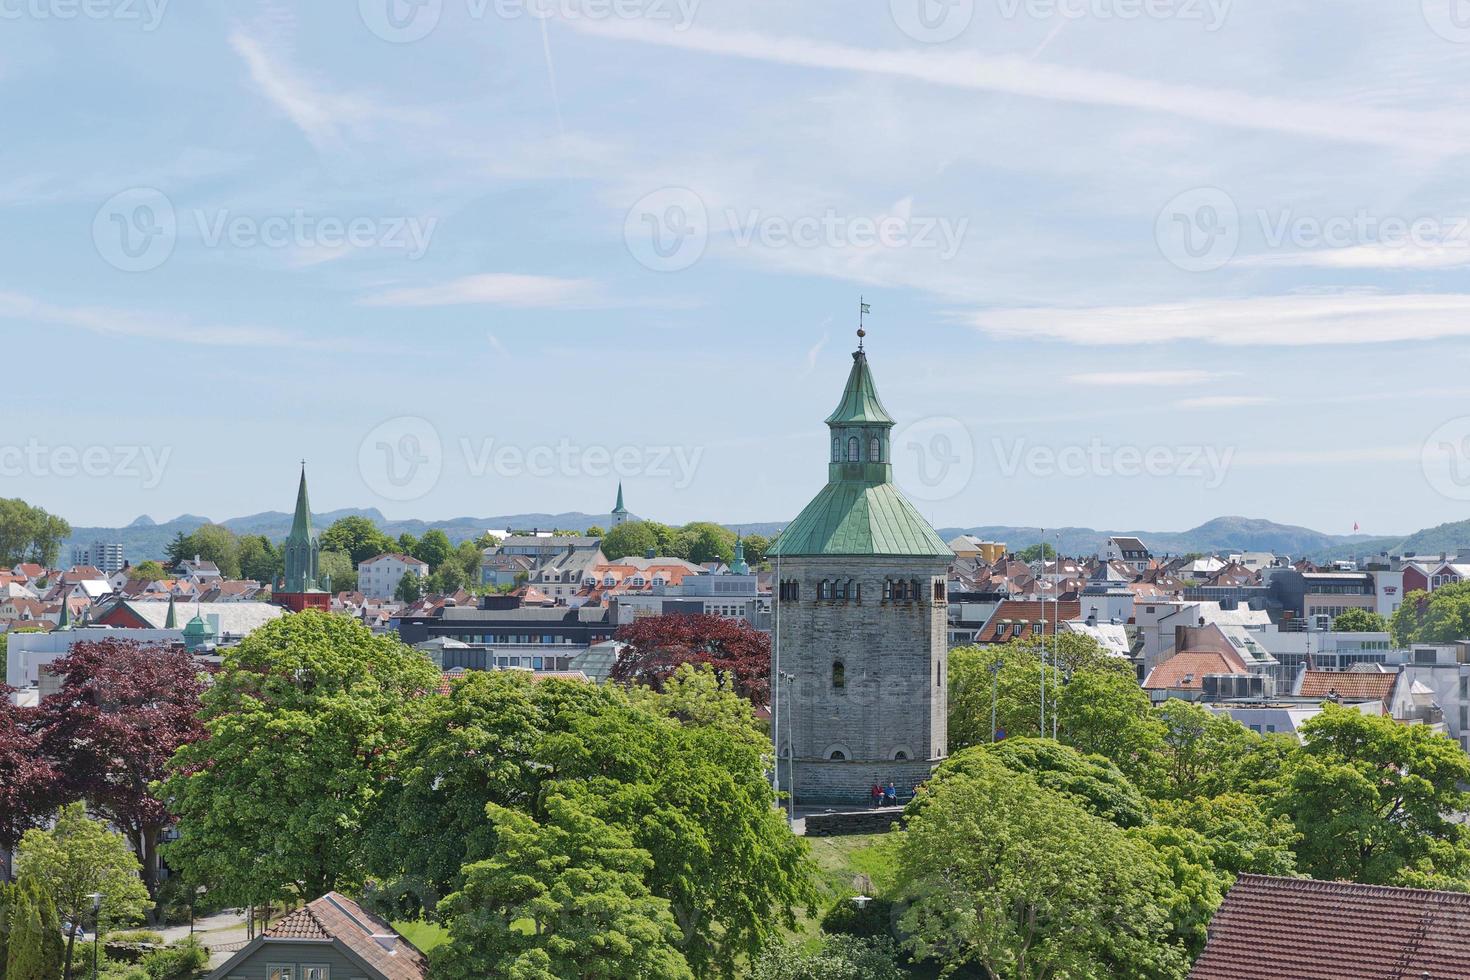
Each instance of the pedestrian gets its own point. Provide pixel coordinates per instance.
(891, 793)
(876, 793)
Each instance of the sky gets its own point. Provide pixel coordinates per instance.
(1131, 264)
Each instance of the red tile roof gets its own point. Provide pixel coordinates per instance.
(1349, 686)
(334, 916)
(1186, 671)
(1299, 929)
(1017, 617)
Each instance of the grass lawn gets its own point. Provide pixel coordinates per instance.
(424, 935)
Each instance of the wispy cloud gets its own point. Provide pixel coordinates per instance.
(1429, 131)
(1268, 321)
(143, 326)
(1376, 256)
(1131, 379)
(1223, 401)
(497, 289)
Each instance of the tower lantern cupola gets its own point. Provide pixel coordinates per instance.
(861, 428)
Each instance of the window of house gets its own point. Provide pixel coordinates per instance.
(280, 971)
(839, 674)
(311, 971)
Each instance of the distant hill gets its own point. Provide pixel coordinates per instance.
(144, 538)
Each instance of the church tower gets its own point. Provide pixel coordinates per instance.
(619, 512)
(298, 588)
(861, 620)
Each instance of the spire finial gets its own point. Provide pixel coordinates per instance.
(863, 310)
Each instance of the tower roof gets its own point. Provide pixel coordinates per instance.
(301, 520)
(620, 509)
(860, 402)
(849, 518)
(861, 511)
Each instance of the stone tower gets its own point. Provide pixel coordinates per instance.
(861, 621)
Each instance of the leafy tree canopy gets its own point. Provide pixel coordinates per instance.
(659, 645)
(1359, 621)
(1441, 616)
(29, 534)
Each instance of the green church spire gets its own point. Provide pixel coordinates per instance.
(302, 549)
(65, 622)
(172, 620)
(738, 566)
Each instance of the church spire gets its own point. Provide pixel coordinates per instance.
(171, 621)
(301, 521)
(619, 512)
(302, 549)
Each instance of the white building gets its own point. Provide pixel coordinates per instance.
(378, 578)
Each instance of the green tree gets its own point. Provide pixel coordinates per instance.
(359, 537)
(1359, 621)
(410, 588)
(595, 531)
(29, 534)
(80, 857)
(7, 902)
(1201, 751)
(1022, 881)
(1441, 616)
(407, 543)
(1198, 885)
(211, 542)
(148, 571)
(564, 898)
(433, 548)
(1037, 552)
(756, 546)
(1093, 781)
(1244, 837)
(634, 538)
(260, 560)
(35, 950)
(837, 958)
(1375, 802)
(1103, 711)
(337, 569)
(709, 542)
(302, 719)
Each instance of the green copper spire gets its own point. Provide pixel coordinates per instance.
(64, 623)
(738, 566)
(620, 509)
(197, 633)
(302, 549)
(860, 511)
(172, 622)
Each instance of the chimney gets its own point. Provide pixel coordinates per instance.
(1092, 616)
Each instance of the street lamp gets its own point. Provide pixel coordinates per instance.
(96, 898)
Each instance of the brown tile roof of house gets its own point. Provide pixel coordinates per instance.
(1299, 929)
(1186, 671)
(334, 916)
(1350, 687)
(1017, 619)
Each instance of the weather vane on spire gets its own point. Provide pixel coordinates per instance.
(863, 310)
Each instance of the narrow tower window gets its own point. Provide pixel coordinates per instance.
(839, 674)
(875, 451)
(854, 450)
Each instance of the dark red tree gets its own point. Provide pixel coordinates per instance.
(122, 712)
(657, 645)
(29, 784)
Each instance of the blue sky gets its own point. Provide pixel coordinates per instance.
(1131, 265)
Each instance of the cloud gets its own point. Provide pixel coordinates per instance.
(1163, 379)
(1376, 256)
(1434, 132)
(1223, 401)
(497, 289)
(1268, 321)
(150, 326)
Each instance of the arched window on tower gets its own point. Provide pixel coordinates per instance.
(888, 590)
(839, 591)
(839, 674)
(824, 590)
(854, 450)
(914, 594)
(836, 450)
(875, 450)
